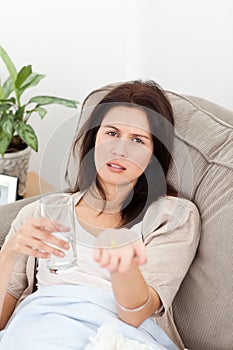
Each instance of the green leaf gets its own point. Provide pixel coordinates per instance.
(9, 64)
(4, 107)
(41, 111)
(23, 75)
(10, 100)
(8, 125)
(8, 87)
(46, 100)
(5, 140)
(31, 81)
(19, 113)
(27, 134)
(2, 96)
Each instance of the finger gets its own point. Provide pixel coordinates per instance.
(49, 224)
(124, 264)
(97, 254)
(139, 252)
(29, 230)
(50, 238)
(34, 252)
(113, 264)
(105, 258)
(43, 247)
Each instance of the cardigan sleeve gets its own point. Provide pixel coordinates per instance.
(171, 232)
(23, 273)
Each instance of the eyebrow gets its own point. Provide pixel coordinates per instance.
(115, 128)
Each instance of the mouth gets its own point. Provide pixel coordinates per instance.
(114, 165)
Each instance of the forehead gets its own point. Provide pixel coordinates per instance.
(127, 116)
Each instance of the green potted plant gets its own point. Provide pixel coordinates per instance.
(17, 136)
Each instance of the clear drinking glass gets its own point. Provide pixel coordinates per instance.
(59, 209)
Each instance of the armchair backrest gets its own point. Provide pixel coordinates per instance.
(201, 170)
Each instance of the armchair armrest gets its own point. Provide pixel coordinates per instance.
(8, 212)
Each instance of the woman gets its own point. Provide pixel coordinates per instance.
(121, 191)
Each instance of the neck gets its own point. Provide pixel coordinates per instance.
(115, 196)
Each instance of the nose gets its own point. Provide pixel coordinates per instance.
(119, 148)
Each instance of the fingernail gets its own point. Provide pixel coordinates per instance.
(66, 245)
(61, 254)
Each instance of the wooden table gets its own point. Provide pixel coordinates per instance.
(36, 185)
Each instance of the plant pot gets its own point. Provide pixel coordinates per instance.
(16, 164)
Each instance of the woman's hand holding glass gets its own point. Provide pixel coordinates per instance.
(34, 238)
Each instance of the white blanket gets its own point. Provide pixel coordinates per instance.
(77, 317)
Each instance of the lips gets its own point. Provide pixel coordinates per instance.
(114, 165)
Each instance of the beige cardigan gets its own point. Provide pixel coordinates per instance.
(170, 229)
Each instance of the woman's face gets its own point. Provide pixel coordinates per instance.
(123, 147)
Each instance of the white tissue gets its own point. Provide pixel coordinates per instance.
(108, 338)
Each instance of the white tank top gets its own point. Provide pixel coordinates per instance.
(88, 271)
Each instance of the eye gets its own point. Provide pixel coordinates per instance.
(112, 133)
(137, 140)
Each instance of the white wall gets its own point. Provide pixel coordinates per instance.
(79, 45)
(184, 45)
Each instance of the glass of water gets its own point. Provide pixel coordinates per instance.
(58, 208)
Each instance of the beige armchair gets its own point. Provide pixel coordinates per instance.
(201, 170)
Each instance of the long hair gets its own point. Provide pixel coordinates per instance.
(152, 184)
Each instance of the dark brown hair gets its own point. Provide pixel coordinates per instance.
(152, 184)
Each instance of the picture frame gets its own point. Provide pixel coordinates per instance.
(8, 188)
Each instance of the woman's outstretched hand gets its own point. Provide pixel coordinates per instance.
(35, 238)
(116, 249)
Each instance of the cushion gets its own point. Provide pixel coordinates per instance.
(201, 170)
(203, 306)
